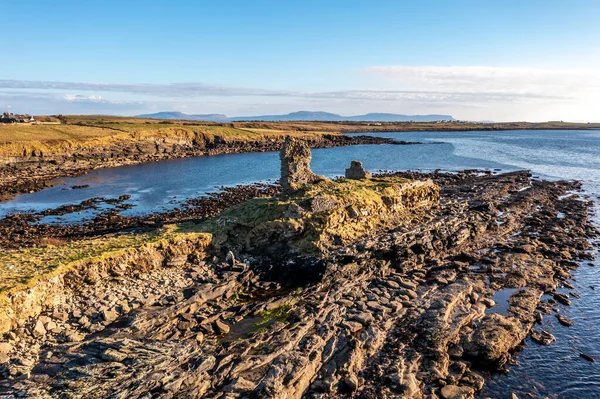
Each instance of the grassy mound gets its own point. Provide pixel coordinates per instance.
(322, 215)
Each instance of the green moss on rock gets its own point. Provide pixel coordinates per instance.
(319, 216)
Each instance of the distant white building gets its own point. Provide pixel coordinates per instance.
(16, 118)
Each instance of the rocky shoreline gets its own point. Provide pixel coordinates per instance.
(423, 308)
(24, 230)
(36, 171)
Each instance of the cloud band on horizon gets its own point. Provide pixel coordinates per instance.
(464, 86)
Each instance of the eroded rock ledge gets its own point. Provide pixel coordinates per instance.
(414, 306)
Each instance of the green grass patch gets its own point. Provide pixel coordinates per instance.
(360, 207)
(280, 314)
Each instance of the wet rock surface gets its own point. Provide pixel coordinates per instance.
(418, 311)
(24, 230)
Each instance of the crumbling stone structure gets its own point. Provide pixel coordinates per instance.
(357, 172)
(295, 165)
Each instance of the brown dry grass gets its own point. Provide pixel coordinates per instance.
(90, 132)
(87, 132)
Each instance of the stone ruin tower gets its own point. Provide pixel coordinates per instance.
(295, 165)
(357, 172)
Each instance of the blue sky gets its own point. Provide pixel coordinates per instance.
(476, 59)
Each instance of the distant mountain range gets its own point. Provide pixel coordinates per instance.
(182, 116)
(302, 116)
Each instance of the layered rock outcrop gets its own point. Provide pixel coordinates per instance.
(322, 216)
(77, 269)
(403, 304)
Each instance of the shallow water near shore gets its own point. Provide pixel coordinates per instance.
(556, 370)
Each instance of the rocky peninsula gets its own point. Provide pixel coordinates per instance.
(403, 285)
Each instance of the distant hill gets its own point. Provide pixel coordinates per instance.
(182, 116)
(303, 116)
(378, 117)
(294, 116)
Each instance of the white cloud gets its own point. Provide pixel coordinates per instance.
(179, 90)
(466, 92)
(42, 103)
(199, 90)
(80, 98)
(493, 80)
(502, 93)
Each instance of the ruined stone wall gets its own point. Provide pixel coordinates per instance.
(295, 158)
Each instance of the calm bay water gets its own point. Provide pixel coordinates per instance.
(556, 371)
(160, 186)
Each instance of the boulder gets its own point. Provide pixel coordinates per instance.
(542, 337)
(75, 337)
(38, 329)
(322, 204)
(5, 347)
(109, 315)
(293, 211)
(349, 384)
(564, 320)
(200, 338)
(222, 327)
(364, 318)
(492, 340)
(457, 392)
(357, 172)
(60, 315)
(112, 355)
(50, 326)
(4, 358)
(562, 298)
